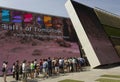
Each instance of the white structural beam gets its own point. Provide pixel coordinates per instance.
(82, 36)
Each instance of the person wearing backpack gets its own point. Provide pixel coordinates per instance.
(4, 70)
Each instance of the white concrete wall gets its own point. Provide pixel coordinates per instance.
(88, 49)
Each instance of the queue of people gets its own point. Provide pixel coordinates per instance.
(48, 67)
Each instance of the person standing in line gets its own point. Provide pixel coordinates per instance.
(35, 68)
(45, 68)
(24, 70)
(13, 70)
(17, 70)
(49, 66)
(57, 66)
(74, 64)
(53, 65)
(32, 67)
(35, 63)
(20, 70)
(61, 64)
(4, 70)
(70, 64)
(41, 65)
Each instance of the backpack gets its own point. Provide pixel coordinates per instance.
(3, 69)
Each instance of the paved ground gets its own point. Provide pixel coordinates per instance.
(87, 76)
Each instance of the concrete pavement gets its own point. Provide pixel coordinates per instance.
(86, 76)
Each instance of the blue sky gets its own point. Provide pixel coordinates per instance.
(56, 7)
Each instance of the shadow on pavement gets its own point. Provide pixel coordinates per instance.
(28, 80)
(107, 66)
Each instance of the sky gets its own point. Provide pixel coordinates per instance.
(57, 7)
